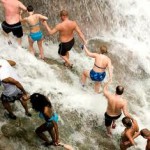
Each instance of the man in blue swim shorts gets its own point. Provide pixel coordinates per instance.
(66, 35)
(97, 74)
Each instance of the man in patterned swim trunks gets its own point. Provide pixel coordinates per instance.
(66, 35)
(12, 9)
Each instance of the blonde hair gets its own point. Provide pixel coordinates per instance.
(64, 13)
(103, 49)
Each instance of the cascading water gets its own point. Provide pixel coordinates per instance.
(124, 27)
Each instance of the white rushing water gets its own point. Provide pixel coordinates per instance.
(128, 34)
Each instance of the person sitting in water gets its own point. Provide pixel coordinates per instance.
(41, 104)
(145, 133)
(35, 32)
(115, 104)
(131, 131)
(13, 89)
(98, 73)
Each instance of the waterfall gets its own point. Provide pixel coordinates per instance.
(124, 27)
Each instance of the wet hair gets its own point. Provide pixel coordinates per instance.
(63, 13)
(103, 49)
(145, 132)
(30, 8)
(39, 101)
(119, 90)
(127, 122)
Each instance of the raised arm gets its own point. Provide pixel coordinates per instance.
(78, 30)
(22, 7)
(42, 17)
(93, 55)
(50, 31)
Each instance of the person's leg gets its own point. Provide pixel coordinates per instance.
(7, 106)
(24, 104)
(31, 49)
(85, 74)
(108, 122)
(19, 41)
(113, 124)
(39, 131)
(41, 48)
(96, 87)
(65, 58)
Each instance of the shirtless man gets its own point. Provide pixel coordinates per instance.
(130, 132)
(97, 74)
(12, 9)
(66, 35)
(35, 32)
(145, 133)
(115, 105)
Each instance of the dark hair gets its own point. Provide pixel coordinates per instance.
(145, 132)
(127, 121)
(119, 90)
(39, 101)
(30, 8)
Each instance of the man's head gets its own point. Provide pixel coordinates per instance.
(127, 122)
(63, 14)
(145, 133)
(30, 8)
(103, 49)
(119, 90)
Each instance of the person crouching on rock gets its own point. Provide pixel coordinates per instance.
(41, 104)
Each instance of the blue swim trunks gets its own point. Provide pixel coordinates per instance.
(36, 36)
(97, 76)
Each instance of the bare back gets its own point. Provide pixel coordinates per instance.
(101, 61)
(66, 29)
(12, 10)
(115, 105)
(34, 22)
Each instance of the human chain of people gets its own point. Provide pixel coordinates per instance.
(13, 88)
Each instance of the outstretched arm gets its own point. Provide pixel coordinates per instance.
(22, 7)
(44, 18)
(125, 110)
(50, 31)
(106, 92)
(81, 35)
(89, 53)
(110, 70)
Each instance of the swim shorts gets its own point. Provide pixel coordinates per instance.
(64, 47)
(16, 29)
(12, 99)
(36, 36)
(109, 119)
(97, 76)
